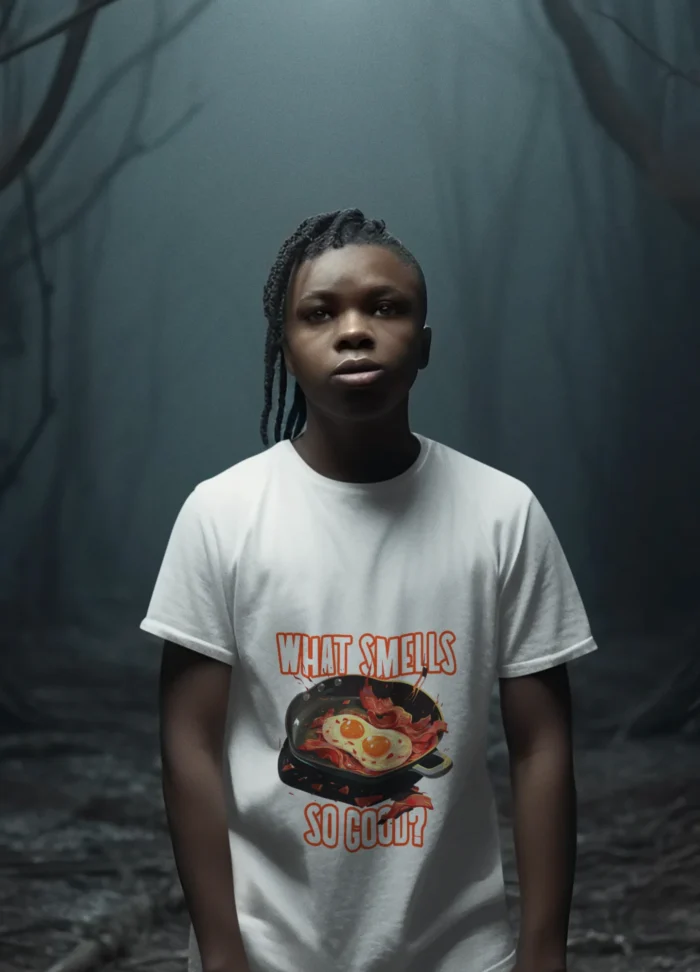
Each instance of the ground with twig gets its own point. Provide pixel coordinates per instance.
(85, 855)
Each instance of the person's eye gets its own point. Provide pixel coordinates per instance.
(386, 307)
(317, 316)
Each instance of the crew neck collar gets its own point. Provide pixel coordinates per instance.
(384, 486)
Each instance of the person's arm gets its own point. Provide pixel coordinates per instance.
(193, 703)
(536, 712)
(542, 626)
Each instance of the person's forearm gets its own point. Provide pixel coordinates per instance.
(195, 806)
(544, 805)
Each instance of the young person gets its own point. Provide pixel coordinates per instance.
(336, 612)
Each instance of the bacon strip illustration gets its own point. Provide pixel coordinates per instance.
(408, 803)
(380, 714)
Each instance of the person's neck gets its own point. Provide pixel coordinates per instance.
(358, 452)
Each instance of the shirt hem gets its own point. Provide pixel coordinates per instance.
(194, 964)
(167, 633)
(544, 662)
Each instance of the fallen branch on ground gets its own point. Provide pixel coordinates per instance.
(601, 943)
(31, 870)
(154, 958)
(112, 938)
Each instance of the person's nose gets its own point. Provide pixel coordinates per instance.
(354, 331)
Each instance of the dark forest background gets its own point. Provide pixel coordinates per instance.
(543, 161)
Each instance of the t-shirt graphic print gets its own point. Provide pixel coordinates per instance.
(366, 626)
(367, 740)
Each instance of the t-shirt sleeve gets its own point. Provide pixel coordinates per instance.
(542, 620)
(191, 601)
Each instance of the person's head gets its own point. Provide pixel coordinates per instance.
(340, 290)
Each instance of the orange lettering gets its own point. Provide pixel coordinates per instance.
(353, 841)
(329, 825)
(400, 825)
(310, 657)
(448, 665)
(289, 651)
(431, 661)
(418, 823)
(328, 664)
(408, 658)
(343, 643)
(387, 654)
(368, 828)
(312, 812)
(367, 666)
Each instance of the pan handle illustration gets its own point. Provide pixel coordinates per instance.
(434, 769)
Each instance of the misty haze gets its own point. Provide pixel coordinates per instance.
(545, 170)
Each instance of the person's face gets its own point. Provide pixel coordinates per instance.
(357, 306)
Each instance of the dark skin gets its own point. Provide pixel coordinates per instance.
(363, 301)
(536, 713)
(360, 301)
(194, 693)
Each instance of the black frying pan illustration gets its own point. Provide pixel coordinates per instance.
(331, 694)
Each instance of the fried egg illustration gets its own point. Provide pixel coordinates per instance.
(378, 750)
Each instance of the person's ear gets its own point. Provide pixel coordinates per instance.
(426, 342)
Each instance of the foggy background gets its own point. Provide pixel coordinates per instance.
(563, 290)
(563, 285)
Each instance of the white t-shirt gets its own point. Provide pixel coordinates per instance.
(366, 625)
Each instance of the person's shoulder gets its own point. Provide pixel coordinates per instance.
(492, 489)
(239, 485)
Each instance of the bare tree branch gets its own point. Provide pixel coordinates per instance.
(14, 712)
(157, 42)
(85, 9)
(44, 285)
(672, 70)
(9, 474)
(13, 81)
(130, 151)
(6, 14)
(133, 146)
(605, 100)
(672, 177)
(85, 115)
(53, 104)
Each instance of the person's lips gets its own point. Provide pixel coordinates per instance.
(357, 371)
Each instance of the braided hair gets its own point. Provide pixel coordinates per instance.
(311, 238)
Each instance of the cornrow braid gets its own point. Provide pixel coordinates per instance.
(312, 237)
